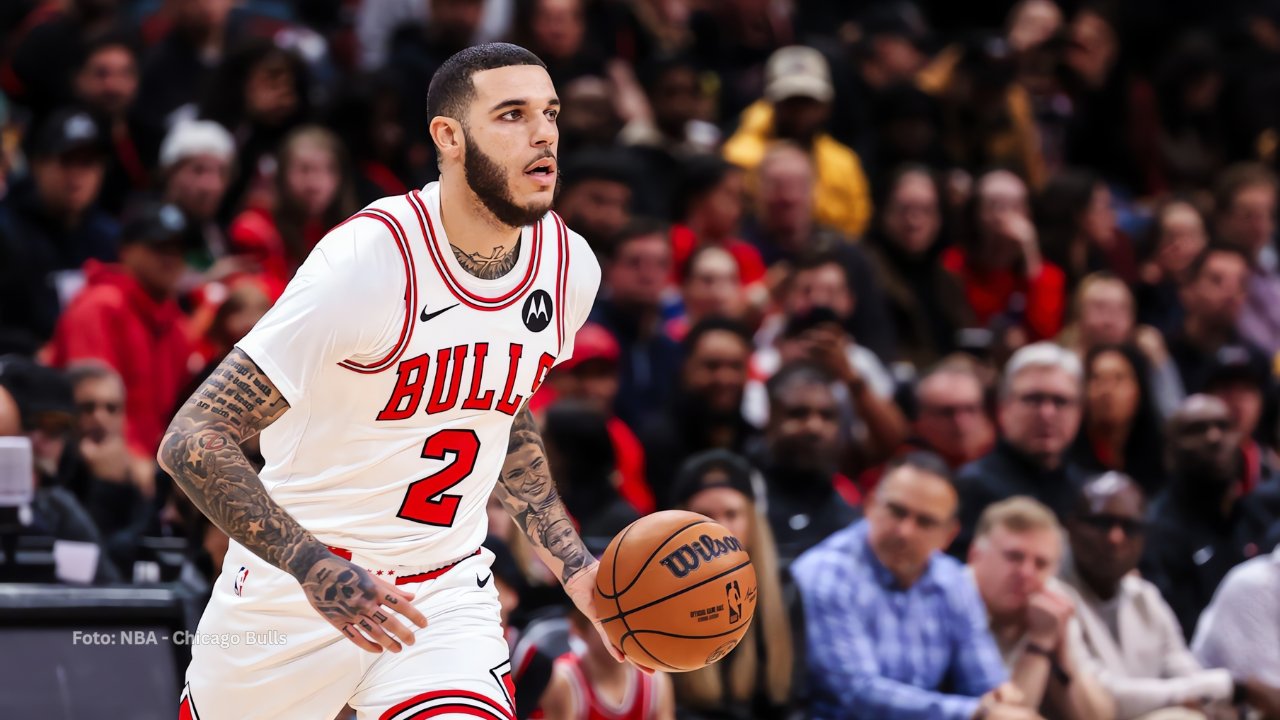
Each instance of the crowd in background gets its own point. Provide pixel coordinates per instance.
(964, 317)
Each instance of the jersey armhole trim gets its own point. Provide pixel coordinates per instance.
(459, 290)
(410, 295)
(562, 278)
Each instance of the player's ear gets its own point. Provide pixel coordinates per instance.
(446, 133)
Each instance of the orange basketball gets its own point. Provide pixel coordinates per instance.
(675, 591)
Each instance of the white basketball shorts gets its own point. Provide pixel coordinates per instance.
(262, 651)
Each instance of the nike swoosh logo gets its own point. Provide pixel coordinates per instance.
(482, 583)
(427, 316)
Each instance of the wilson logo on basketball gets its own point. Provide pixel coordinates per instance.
(689, 557)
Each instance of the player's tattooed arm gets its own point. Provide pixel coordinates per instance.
(498, 263)
(201, 450)
(529, 494)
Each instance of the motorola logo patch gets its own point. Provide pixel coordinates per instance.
(537, 311)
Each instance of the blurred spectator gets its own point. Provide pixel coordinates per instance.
(708, 208)
(894, 628)
(1039, 414)
(763, 677)
(711, 287)
(590, 116)
(1213, 296)
(785, 231)
(595, 196)
(118, 486)
(1130, 632)
(377, 20)
(314, 192)
(128, 317)
(885, 49)
(796, 106)
(735, 39)
(927, 304)
(637, 264)
(1114, 127)
(44, 411)
(556, 31)
(706, 404)
(1121, 429)
(1240, 381)
(1009, 284)
(370, 119)
(801, 458)
(1246, 221)
(179, 68)
(260, 93)
(416, 48)
(40, 73)
(591, 378)
(1103, 314)
(590, 683)
(1193, 134)
(195, 171)
(987, 117)
(672, 125)
(1077, 227)
(581, 459)
(1014, 558)
(1236, 629)
(951, 417)
(1201, 526)
(106, 84)
(49, 226)
(1177, 237)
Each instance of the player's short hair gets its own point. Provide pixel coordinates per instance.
(1017, 514)
(452, 88)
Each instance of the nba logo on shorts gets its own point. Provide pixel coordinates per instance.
(241, 576)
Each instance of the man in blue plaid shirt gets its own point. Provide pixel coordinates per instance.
(895, 628)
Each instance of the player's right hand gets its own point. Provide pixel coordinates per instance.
(361, 607)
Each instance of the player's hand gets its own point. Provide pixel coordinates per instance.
(362, 608)
(581, 589)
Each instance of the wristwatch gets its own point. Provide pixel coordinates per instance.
(1055, 668)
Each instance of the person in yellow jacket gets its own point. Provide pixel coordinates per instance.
(795, 107)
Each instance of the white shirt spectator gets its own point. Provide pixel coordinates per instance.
(1240, 630)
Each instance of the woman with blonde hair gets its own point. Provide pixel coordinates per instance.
(761, 679)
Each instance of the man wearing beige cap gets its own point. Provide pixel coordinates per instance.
(795, 107)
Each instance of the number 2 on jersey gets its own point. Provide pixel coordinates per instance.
(420, 502)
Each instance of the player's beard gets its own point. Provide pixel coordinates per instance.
(488, 180)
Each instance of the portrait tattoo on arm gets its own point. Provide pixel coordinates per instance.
(529, 494)
(201, 451)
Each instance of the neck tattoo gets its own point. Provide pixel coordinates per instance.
(495, 265)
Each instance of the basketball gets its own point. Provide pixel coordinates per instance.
(675, 591)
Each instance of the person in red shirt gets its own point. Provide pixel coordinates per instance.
(590, 685)
(128, 317)
(591, 376)
(1006, 280)
(710, 207)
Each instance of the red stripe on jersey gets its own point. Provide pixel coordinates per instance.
(494, 710)
(468, 298)
(184, 710)
(410, 295)
(562, 278)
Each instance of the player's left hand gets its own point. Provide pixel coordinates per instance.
(581, 589)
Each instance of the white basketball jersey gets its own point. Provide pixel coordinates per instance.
(404, 373)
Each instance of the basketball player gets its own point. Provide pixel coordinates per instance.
(389, 384)
(591, 685)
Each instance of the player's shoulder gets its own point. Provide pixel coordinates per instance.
(376, 234)
(582, 257)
